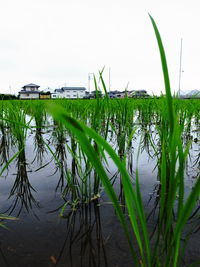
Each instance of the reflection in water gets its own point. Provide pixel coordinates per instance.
(80, 185)
(60, 156)
(22, 190)
(40, 118)
(155, 214)
(4, 257)
(39, 146)
(4, 144)
(77, 179)
(84, 235)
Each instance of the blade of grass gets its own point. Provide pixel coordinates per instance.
(165, 74)
(80, 132)
(10, 160)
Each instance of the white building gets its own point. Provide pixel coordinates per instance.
(30, 91)
(69, 92)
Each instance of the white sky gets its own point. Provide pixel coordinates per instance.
(58, 42)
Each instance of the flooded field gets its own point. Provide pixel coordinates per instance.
(57, 180)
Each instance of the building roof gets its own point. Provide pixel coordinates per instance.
(73, 88)
(140, 91)
(94, 92)
(28, 92)
(62, 89)
(31, 85)
(58, 90)
(114, 92)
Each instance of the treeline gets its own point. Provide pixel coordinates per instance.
(7, 97)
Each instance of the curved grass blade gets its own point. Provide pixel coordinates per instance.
(165, 75)
(80, 131)
(10, 160)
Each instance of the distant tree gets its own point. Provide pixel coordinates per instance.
(7, 97)
(45, 93)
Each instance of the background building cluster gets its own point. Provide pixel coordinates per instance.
(31, 91)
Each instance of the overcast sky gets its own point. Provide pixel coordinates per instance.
(54, 43)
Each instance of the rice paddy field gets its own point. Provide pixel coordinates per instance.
(103, 182)
(62, 208)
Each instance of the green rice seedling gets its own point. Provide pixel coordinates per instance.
(59, 140)
(81, 132)
(83, 161)
(40, 119)
(4, 136)
(7, 121)
(165, 250)
(4, 146)
(22, 189)
(18, 124)
(124, 132)
(15, 121)
(6, 217)
(77, 176)
(172, 180)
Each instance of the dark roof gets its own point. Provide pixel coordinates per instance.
(114, 92)
(140, 91)
(58, 90)
(94, 92)
(31, 85)
(28, 92)
(73, 88)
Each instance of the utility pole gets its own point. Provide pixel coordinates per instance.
(180, 69)
(109, 78)
(89, 83)
(89, 80)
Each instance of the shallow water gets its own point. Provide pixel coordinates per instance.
(89, 234)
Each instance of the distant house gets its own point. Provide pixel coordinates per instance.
(87, 95)
(139, 94)
(45, 95)
(193, 94)
(93, 94)
(69, 92)
(30, 91)
(115, 94)
(119, 94)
